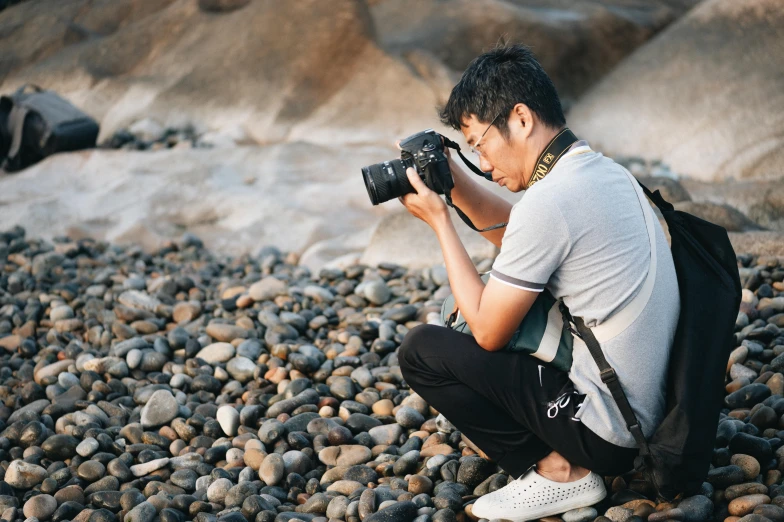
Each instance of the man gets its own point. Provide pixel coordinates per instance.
(580, 232)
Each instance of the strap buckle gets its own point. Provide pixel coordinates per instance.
(567, 319)
(608, 375)
(451, 319)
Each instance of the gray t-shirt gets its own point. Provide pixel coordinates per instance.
(580, 233)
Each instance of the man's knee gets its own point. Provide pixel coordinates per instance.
(418, 340)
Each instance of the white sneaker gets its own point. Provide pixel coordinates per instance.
(532, 496)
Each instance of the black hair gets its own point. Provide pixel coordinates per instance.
(498, 80)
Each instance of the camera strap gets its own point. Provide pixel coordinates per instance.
(547, 159)
(551, 154)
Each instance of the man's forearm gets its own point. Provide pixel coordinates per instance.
(467, 286)
(484, 208)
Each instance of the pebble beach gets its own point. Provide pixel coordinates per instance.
(182, 385)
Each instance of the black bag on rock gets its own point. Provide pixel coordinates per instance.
(677, 456)
(39, 123)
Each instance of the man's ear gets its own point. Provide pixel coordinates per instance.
(524, 117)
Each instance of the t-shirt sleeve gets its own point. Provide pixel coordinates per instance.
(535, 244)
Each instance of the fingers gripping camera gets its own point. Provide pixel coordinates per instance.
(424, 152)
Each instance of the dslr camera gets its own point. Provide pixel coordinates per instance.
(425, 152)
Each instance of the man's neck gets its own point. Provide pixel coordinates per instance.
(540, 142)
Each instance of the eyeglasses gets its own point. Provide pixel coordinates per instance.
(474, 148)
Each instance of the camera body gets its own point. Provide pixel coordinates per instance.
(425, 152)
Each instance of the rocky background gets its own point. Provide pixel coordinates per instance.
(247, 121)
(199, 320)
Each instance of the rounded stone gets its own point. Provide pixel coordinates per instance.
(218, 490)
(40, 507)
(585, 514)
(241, 368)
(23, 475)
(161, 409)
(744, 505)
(229, 419)
(749, 465)
(87, 447)
(697, 507)
(409, 418)
(386, 434)
(418, 484)
(377, 292)
(216, 353)
(272, 469)
(91, 470)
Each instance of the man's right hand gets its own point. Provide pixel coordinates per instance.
(480, 204)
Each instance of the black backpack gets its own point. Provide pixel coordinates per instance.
(34, 125)
(677, 457)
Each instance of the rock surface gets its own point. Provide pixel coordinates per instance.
(125, 61)
(601, 33)
(665, 95)
(236, 201)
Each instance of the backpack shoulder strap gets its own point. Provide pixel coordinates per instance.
(610, 379)
(658, 200)
(622, 319)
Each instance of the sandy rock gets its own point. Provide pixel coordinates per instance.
(460, 33)
(761, 200)
(720, 214)
(228, 215)
(666, 95)
(671, 190)
(137, 50)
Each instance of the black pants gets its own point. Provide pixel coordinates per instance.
(512, 406)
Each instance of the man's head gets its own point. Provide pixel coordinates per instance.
(506, 99)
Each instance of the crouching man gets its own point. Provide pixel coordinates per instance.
(579, 231)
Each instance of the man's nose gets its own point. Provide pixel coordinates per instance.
(485, 165)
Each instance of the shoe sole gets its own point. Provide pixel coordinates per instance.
(562, 508)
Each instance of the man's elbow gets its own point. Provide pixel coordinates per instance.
(490, 341)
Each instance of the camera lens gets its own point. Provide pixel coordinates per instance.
(387, 180)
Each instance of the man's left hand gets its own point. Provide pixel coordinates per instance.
(424, 204)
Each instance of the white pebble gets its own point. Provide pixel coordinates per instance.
(140, 470)
(229, 420)
(87, 447)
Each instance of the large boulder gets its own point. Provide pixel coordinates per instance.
(577, 41)
(35, 32)
(705, 95)
(670, 189)
(397, 237)
(283, 71)
(721, 214)
(760, 200)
